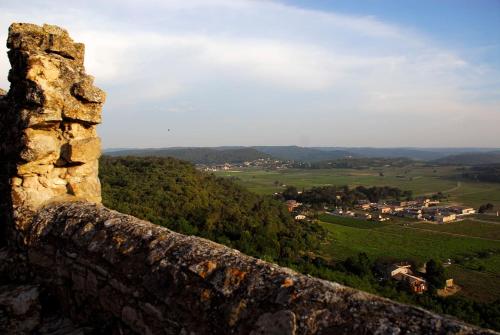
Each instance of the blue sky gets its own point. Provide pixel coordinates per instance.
(311, 73)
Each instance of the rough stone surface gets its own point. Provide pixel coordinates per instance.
(82, 150)
(48, 121)
(157, 281)
(19, 309)
(71, 266)
(21, 312)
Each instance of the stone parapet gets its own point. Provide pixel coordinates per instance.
(104, 265)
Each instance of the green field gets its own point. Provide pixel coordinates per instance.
(479, 257)
(473, 244)
(474, 284)
(487, 217)
(352, 222)
(469, 228)
(421, 180)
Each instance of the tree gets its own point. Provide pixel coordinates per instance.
(434, 274)
(360, 265)
(290, 193)
(485, 207)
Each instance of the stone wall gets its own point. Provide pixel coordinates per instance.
(105, 265)
(70, 264)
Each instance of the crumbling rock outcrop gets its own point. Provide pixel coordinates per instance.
(70, 265)
(48, 120)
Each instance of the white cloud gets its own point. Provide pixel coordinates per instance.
(242, 56)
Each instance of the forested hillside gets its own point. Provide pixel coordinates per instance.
(359, 163)
(174, 194)
(492, 157)
(197, 155)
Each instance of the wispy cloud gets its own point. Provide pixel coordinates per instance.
(243, 58)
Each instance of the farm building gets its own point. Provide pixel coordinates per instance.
(462, 210)
(403, 273)
(445, 218)
(398, 209)
(364, 207)
(384, 209)
(292, 204)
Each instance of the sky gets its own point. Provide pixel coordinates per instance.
(379, 73)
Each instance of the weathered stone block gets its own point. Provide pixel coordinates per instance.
(77, 131)
(31, 198)
(86, 188)
(85, 112)
(32, 168)
(83, 170)
(48, 38)
(86, 91)
(31, 182)
(83, 150)
(42, 117)
(40, 145)
(43, 70)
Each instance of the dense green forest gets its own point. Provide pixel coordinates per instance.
(174, 194)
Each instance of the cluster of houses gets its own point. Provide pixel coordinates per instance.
(374, 215)
(266, 163)
(422, 209)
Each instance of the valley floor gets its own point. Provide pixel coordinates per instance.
(473, 245)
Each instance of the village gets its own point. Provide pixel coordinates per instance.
(421, 209)
(264, 163)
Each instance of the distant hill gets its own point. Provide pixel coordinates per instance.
(361, 163)
(197, 155)
(482, 158)
(303, 154)
(411, 153)
(238, 154)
